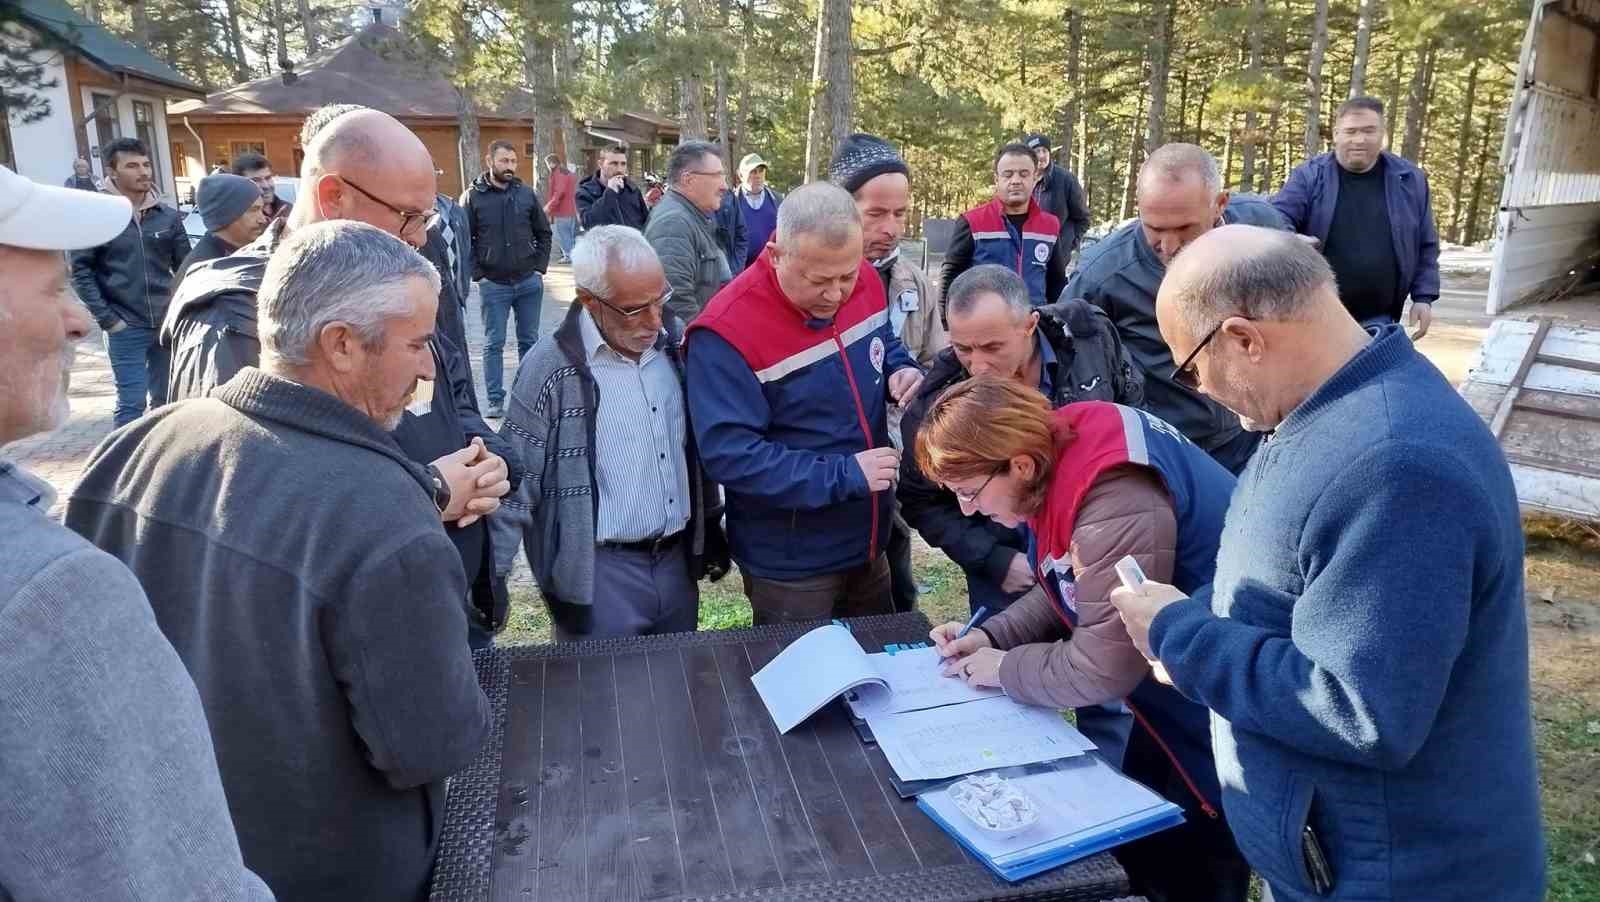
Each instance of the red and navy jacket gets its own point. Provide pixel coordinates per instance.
(780, 405)
(1025, 252)
(1106, 436)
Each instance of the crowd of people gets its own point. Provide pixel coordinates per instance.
(242, 667)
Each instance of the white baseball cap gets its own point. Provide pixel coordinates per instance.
(48, 218)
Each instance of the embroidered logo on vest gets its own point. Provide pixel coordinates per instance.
(877, 353)
(1041, 253)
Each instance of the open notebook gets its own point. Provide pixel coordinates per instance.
(828, 662)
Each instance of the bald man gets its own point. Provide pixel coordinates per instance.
(1364, 645)
(360, 164)
(1181, 197)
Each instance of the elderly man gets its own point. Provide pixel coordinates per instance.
(258, 169)
(880, 181)
(1059, 193)
(313, 596)
(105, 757)
(230, 207)
(212, 326)
(510, 253)
(1069, 351)
(1369, 692)
(609, 197)
(758, 204)
(127, 281)
(683, 234)
(1180, 198)
(791, 368)
(1012, 230)
(616, 515)
(1370, 212)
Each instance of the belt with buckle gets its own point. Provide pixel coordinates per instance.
(656, 546)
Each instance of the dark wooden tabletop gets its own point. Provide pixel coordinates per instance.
(649, 769)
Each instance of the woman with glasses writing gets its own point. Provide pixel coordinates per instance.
(1094, 482)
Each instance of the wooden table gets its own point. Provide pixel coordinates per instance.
(649, 769)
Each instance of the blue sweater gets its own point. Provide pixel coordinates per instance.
(1364, 647)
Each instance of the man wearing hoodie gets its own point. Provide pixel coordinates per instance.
(510, 253)
(127, 282)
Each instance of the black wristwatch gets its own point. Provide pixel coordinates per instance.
(441, 488)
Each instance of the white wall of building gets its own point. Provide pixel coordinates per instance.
(45, 149)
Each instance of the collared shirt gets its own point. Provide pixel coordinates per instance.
(641, 431)
(1047, 362)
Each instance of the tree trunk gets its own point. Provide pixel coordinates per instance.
(1227, 150)
(1487, 131)
(840, 73)
(1135, 160)
(747, 16)
(240, 64)
(1417, 106)
(694, 91)
(565, 55)
(467, 122)
(538, 52)
(1069, 109)
(1394, 95)
(278, 33)
(814, 111)
(1200, 116)
(140, 13)
(1319, 46)
(1252, 117)
(1182, 130)
(1264, 183)
(1463, 148)
(1358, 69)
(308, 26)
(1159, 53)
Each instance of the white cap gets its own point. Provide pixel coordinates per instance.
(48, 218)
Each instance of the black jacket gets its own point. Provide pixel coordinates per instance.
(1121, 275)
(597, 206)
(1059, 193)
(510, 233)
(129, 278)
(1090, 365)
(209, 247)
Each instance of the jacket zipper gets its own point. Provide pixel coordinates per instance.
(144, 270)
(1183, 772)
(866, 431)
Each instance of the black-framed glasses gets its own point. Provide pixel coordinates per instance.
(1184, 373)
(632, 312)
(427, 217)
(972, 497)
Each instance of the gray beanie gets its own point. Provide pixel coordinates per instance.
(222, 198)
(862, 158)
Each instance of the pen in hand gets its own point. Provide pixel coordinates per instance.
(976, 616)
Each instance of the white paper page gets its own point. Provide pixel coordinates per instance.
(811, 672)
(980, 735)
(1083, 798)
(915, 681)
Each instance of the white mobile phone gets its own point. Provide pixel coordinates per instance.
(1131, 574)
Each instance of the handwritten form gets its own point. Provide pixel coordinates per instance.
(914, 681)
(980, 735)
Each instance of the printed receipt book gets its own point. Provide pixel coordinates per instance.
(828, 662)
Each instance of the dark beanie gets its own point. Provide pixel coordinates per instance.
(223, 197)
(862, 158)
(1036, 141)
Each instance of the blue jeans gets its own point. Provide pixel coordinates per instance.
(499, 301)
(139, 368)
(566, 235)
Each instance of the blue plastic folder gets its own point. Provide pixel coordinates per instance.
(1086, 807)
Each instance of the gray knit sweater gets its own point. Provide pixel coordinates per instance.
(550, 421)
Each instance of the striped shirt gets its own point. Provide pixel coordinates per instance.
(641, 462)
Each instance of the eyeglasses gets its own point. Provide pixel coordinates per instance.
(631, 312)
(1184, 373)
(972, 497)
(428, 218)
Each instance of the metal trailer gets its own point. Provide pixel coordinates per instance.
(1549, 214)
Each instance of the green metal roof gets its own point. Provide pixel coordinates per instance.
(99, 45)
